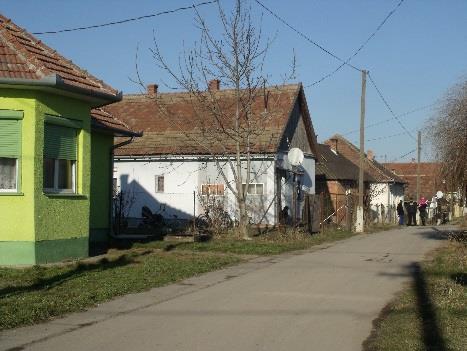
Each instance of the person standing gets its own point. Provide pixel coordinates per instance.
(411, 212)
(422, 204)
(400, 212)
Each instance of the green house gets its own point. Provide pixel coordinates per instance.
(55, 158)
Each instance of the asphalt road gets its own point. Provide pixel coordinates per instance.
(322, 299)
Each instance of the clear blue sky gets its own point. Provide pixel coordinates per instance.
(417, 55)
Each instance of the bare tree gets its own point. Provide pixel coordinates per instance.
(226, 125)
(448, 134)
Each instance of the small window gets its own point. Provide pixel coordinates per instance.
(213, 189)
(255, 188)
(59, 176)
(8, 174)
(159, 183)
(10, 150)
(60, 154)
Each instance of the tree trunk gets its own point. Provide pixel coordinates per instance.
(243, 224)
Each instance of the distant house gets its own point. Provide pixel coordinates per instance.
(336, 177)
(170, 174)
(53, 155)
(430, 177)
(386, 188)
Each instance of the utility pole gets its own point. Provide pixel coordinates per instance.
(359, 226)
(419, 147)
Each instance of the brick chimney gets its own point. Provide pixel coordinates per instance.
(214, 85)
(370, 155)
(152, 89)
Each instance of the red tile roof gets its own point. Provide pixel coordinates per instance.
(430, 177)
(22, 56)
(372, 167)
(173, 124)
(104, 120)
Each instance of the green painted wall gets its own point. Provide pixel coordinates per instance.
(17, 211)
(101, 146)
(39, 228)
(63, 216)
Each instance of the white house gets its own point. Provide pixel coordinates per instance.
(172, 175)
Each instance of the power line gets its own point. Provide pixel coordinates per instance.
(307, 38)
(390, 119)
(380, 94)
(359, 48)
(404, 155)
(128, 19)
(385, 137)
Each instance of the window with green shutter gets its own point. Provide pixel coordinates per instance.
(60, 155)
(10, 150)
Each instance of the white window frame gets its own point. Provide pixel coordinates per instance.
(15, 190)
(56, 189)
(255, 185)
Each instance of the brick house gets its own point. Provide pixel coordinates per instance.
(336, 177)
(430, 178)
(385, 187)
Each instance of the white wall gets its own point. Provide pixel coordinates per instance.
(386, 194)
(183, 177)
(138, 179)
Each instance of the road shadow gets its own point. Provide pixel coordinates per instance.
(41, 283)
(431, 332)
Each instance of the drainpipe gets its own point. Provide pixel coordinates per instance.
(111, 232)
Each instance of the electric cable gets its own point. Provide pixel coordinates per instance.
(126, 20)
(359, 48)
(380, 94)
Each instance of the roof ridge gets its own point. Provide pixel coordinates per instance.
(372, 163)
(229, 90)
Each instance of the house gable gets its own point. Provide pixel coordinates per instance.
(298, 132)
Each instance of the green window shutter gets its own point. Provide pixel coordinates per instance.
(60, 142)
(10, 137)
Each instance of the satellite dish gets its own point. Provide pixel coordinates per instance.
(295, 156)
(439, 194)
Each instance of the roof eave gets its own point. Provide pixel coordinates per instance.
(54, 81)
(96, 126)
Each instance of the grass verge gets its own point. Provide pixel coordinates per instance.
(272, 243)
(432, 313)
(39, 293)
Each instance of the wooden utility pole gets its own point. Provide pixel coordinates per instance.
(419, 147)
(359, 227)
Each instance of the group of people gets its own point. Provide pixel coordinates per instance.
(411, 210)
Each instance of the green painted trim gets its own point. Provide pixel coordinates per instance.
(61, 195)
(64, 122)
(17, 253)
(63, 249)
(6, 193)
(11, 114)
